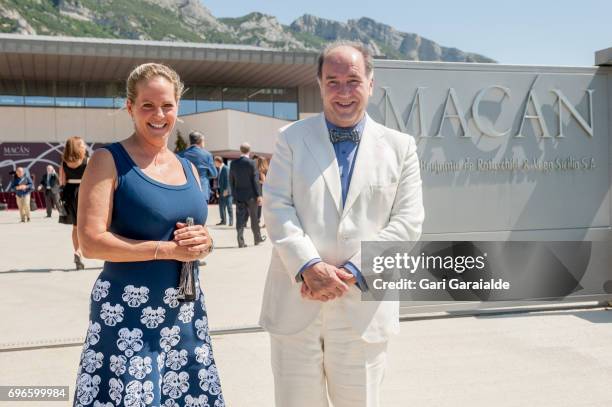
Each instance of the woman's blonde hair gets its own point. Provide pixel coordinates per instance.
(73, 151)
(150, 70)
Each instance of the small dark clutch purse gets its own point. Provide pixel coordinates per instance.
(187, 286)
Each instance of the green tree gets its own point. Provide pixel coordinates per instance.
(180, 143)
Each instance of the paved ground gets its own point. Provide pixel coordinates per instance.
(554, 358)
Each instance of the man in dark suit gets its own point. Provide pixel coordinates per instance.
(244, 181)
(50, 183)
(225, 196)
(202, 159)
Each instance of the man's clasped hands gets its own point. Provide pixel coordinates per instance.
(324, 282)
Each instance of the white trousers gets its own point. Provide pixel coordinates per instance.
(328, 358)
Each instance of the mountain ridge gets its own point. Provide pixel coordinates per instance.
(192, 21)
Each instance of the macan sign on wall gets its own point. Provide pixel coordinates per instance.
(15, 150)
(458, 113)
(33, 157)
(531, 113)
(502, 148)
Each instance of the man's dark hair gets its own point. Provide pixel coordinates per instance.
(195, 137)
(365, 52)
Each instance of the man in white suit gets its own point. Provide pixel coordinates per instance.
(335, 179)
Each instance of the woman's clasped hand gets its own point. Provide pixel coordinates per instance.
(192, 242)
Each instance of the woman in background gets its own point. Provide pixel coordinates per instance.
(262, 168)
(74, 161)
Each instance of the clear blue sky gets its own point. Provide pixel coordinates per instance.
(534, 32)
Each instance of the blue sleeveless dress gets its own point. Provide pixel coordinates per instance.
(143, 346)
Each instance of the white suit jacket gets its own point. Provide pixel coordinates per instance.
(305, 218)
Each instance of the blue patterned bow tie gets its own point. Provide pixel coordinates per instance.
(338, 135)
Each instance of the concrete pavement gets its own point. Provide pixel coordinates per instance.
(553, 358)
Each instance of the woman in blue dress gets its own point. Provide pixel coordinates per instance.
(145, 346)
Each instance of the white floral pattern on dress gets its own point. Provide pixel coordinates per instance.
(91, 361)
(199, 293)
(151, 318)
(118, 364)
(138, 394)
(111, 314)
(93, 333)
(175, 384)
(87, 388)
(209, 380)
(171, 297)
(140, 367)
(176, 359)
(135, 296)
(100, 290)
(169, 337)
(186, 312)
(129, 341)
(220, 402)
(170, 403)
(115, 390)
(161, 359)
(204, 354)
(202, 327)
(153, 358)
(201, 401)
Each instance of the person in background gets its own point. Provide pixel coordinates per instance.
(50, 182)
(225, 195)
(202, 159)
(74, 161)
(22, 186)
(262, 168)
(244, 182)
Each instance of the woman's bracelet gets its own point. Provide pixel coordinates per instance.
(156, 249)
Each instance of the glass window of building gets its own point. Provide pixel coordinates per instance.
(235, 98)
(285, 103)
(11, 92)
(273, 102)
(119, 102)
(187, 104)
(69, 94)
(39, 93)
(119, 97)
(101, 94)
(208, 99)
(260, 101)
